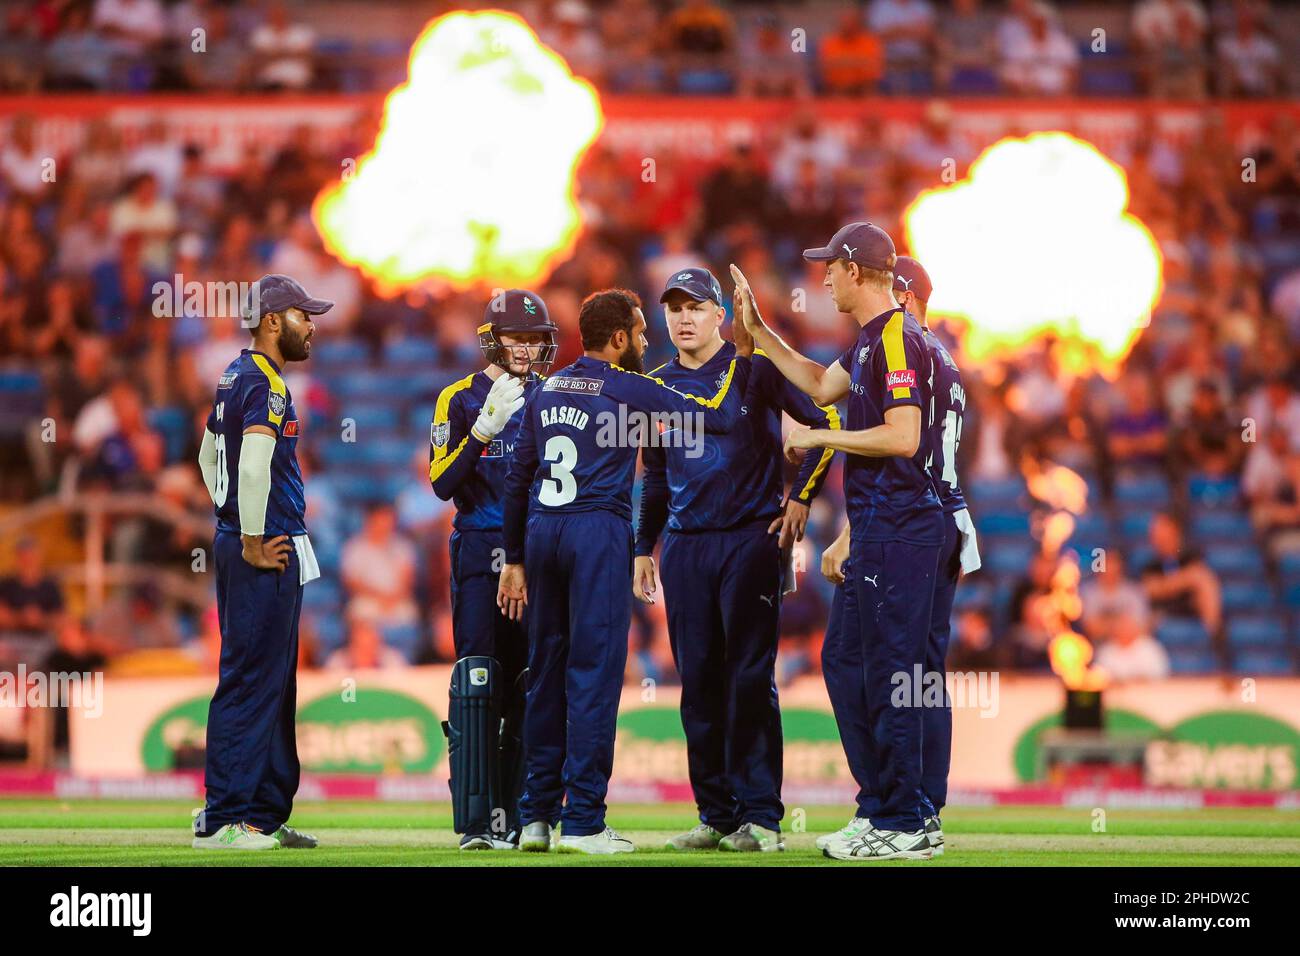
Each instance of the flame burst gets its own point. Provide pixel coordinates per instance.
(471, 178)
(1036, 242)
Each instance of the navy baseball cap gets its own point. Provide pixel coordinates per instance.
(862, 242)
(699, 284)
(910, 276)
(275, 293)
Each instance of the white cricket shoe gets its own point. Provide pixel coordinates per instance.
(844, 834)
(934, 833)
(536, 837)
(873, 844)
(607, 841)
(236, 836)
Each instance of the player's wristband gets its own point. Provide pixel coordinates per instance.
(254, 481)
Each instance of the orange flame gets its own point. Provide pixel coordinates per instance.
(471, 177)
(1071, 657)
(1036, 243)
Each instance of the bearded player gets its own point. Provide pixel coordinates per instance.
(263, 558)
(472, 444)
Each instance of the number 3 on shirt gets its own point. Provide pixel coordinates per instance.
(560, 488)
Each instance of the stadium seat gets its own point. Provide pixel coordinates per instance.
(1235, 559)
(1179, 632)
(411, 351)
(1146, 491)
(1206, 492)
(1247, 596)
(974, 81)
(371, 416)
(1002, 522)
(990, 493)
(346, 353)
(1257, 632)
(1134, 525)
(1227, 526)
(1007, 555)
(1192, 661)
(405, 638)
(1269, 663)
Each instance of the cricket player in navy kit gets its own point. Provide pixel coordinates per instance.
(569, 493)
(263, 558)
(472, 439)
(723, 575)
(841, 657)
(895, 519)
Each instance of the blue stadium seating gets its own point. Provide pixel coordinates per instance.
(1192, 661)
(1182, 633)
(1257, 632)
(1147, 491)
(411, 351)
(1003, 522)
(1007, 492)
(1007, 555)
(1247, 596)
(1268, 663)
(1227, 526)
(1236, 559)
(1208, 492)
(344, 354)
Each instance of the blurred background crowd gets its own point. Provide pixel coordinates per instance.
(1182, 557)
(1166, 48)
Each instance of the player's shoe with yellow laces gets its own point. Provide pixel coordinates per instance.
(751, 838)
(605, 842)
(872, 844)
(236, 836)
(844, 834)
(536, 837)
(292, 839)
(934, 833)
(703, 837)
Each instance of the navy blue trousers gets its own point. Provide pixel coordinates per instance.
(722, 591)
(579, 571)
(478, 627)
(879, 629)
(252, 754)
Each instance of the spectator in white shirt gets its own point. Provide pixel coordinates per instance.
(378, 569)
(1131, 654)
(137, 24)
(1248, 60)
(142, 211)
(1043, 62)
(285, 51)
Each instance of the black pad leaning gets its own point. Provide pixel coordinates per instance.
(473, 744)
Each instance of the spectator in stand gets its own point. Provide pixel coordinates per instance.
(966, 48)
(1170, 39)
(1041, 61)
(736, 192)
(1249, 61)
(138, 619)
(973, 647)
(1275, 500)
(1108, 597)
(1035, 615)
(378, 570)
(1177, 580)
(768, 64)
(365, 650)
(1130, 654)
(31, 602)
(302, 256)
(907, 29)
(628, 31)
(807, 141)
(222, 65)
(1209, 440)
(21, 162)
(570, 32)
(1137, 433)
(138, 25)
(144, 213)
(283, 51)
(1275, 405)
(79, 58)
(699, 38)
(850, 60)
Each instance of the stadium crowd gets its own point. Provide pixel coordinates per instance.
(1165, 48)
(1186, 557)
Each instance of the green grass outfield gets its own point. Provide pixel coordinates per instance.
(130, 833)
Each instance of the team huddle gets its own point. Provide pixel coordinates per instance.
(546, 559)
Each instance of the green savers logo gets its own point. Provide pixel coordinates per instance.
(1222, 749)
(380, 731)
(651, 746)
